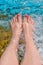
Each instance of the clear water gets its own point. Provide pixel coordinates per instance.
(34, 8)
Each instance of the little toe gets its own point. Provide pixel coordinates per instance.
(12, 24)
(15, 18)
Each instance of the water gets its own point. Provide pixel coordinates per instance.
(13, 7)
(34, 8)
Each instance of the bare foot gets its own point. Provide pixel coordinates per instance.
(28, 27)
(16, 26)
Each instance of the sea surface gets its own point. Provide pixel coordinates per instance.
(34, 8)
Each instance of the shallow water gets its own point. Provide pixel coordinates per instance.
(33, 8)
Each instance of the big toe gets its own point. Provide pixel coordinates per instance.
(31, 22)
(19, 18)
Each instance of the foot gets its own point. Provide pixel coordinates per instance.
(16, 25)
(28, 27)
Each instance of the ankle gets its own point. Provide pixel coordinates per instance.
(14, 43)
(28, 38)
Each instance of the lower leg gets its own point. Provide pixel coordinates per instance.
(9, 57)
(31, 56)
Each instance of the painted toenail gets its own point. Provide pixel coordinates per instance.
(26, 16)
(18, 14)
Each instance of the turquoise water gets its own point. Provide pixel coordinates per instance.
(9, 8)
(12, 7)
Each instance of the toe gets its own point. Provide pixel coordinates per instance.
(25, 22)
(25, 26)
(15, 18)
(19, 18)
(12, 24)
(31, 22)
(25, 19)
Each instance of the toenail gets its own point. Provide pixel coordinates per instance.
(25, 16)
(18, 14)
